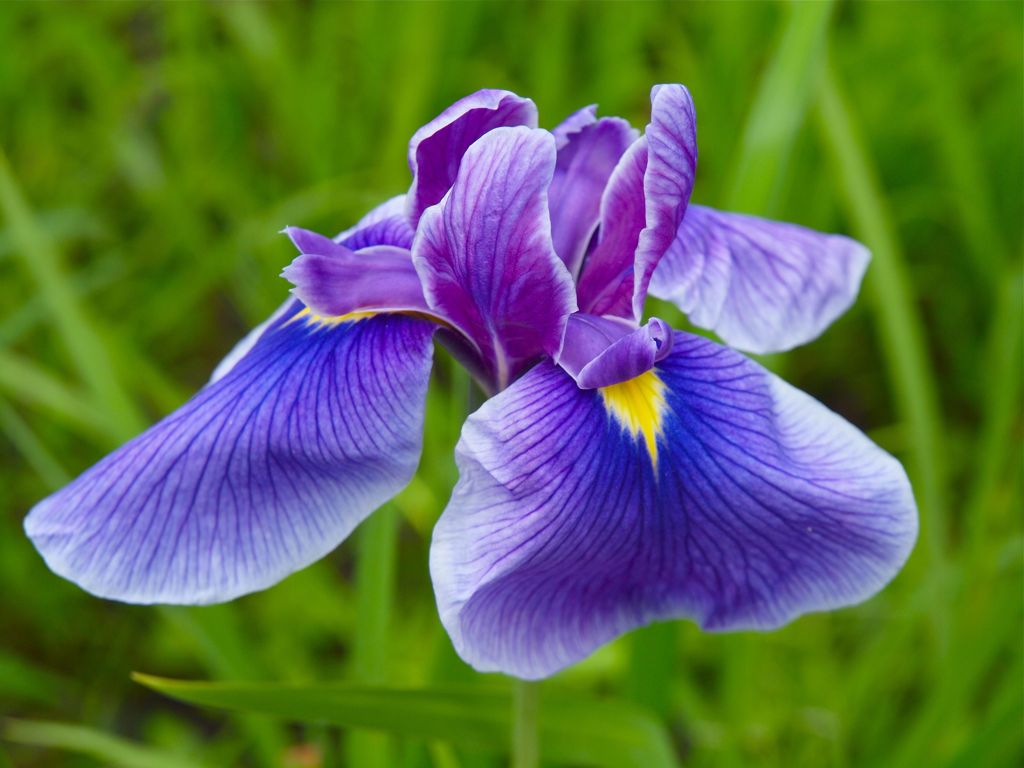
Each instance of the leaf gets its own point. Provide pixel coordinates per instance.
(111, 750)
(573, 730)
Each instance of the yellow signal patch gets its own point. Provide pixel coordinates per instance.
(638, 405)
(329, 321)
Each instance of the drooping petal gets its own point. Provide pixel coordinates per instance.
(707, 488)
(387, 224)
(762, 286)
(436, 149)
(261, 473)
(585, 163)
(599, 351)
(643, 204)
(485, 258)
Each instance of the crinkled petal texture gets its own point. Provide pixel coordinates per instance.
(762, 286)
(485, 257)
(263, 472)
(562, 533)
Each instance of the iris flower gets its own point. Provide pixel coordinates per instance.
(620, 472)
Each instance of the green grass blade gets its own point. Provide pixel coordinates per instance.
(84, 346)
(893, 303)
(779, 110)
(110, 750)
(574, 731)
(31, 448)
(375, 578)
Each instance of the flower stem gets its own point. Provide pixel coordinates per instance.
(525, 724)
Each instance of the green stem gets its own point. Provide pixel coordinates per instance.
(525, 741)
(375, 577)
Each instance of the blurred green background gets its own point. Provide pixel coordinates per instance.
(150, 153)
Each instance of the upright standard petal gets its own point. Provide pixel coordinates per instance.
(485, 258)
(436, 149)
(584, 165)
(642, 207)
(261, 473)
(706, 488)
(762, 286)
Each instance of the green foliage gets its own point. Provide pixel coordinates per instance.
(149, 154)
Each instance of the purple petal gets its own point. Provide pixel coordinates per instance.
(436, 149)
(643, 205)
(585, 163)
(379, 278)
(762, 286)
(573, 124)
(598, 351)
(668, 182)
(387, 224)
(485, 257)
(759, 505)
(605, 285)
(261, 473)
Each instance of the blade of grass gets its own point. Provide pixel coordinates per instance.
(779, 110)
(899, 324)
(227, 653)
(26, 382)
(78, 739)
(83, 344)
(28, 445)
(574, 731)
(375, 579)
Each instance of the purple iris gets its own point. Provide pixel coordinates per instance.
(620, 472)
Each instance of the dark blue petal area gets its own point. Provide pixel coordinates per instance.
(563, 533)
(262, 472)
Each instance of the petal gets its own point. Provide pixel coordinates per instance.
(668, 182)
(485, 257)
(642, 207)
(436, 149)
(573, 124)
(585, 163)
(261, 473)
(380, 278)
(733, 499)
(387, 224)
(762, 286)
(598, 351)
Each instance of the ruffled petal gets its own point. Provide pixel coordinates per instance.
(762, 286)
(643, 205)
(707, 488)
(261, 473)
(436, 149)
(585, 163)
(485, 258)
(573, 124)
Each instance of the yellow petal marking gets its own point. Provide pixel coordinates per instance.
(329, 321)
(639, 405)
